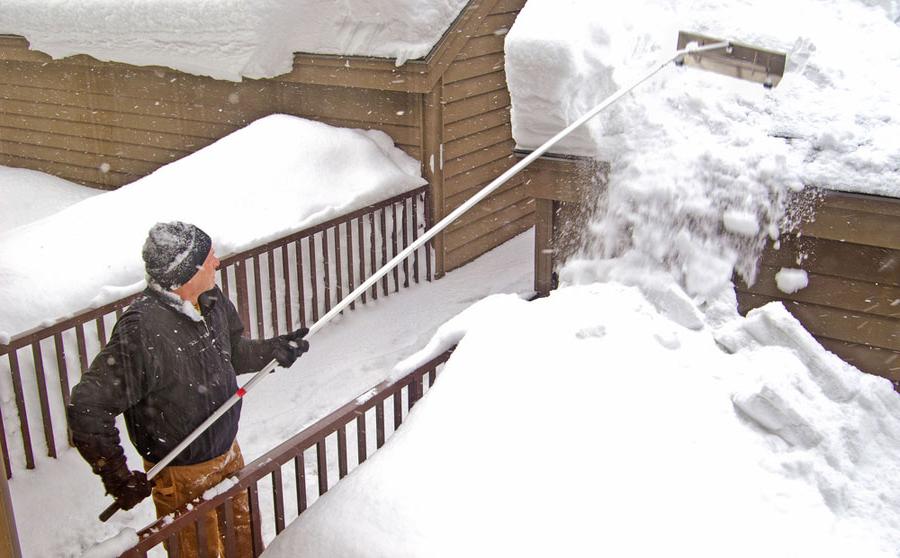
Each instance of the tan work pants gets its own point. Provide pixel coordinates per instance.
(177, 485)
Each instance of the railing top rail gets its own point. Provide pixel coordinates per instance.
(39, 333)
(160, 530)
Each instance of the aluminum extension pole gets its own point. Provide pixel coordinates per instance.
(418, 243)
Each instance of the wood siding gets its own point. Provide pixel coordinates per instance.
(106, 124)
(851, 253)
(478, 144)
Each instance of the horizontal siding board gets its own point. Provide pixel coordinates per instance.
(858, 227)
(838, 292)
(477, 177)
(862, 202)
(497, 23)
(92, 176)
(478, 85)
(480, 46)
(834, 323)
(840, 259)
(125, 166)
(478, 104)
(457, 199)
(472, 250)
(483, 156)
(874, 360)
(485, 138)
(508, 6)
(472, 67)
(490, 208)
(482, 121)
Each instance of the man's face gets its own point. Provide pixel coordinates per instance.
(205, 278)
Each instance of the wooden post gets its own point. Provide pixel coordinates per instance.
(433, 164)
(543, 245)
(9, 536)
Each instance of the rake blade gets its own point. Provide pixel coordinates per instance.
(738, 60)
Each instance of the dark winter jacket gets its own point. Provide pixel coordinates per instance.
(167, 373)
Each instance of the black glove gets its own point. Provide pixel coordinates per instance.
(288, 347)
(128, 487)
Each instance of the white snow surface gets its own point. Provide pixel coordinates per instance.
(591, 415)
(229, 39)
(833, 120)
(791, 280)
(278, 175)
(28, 195)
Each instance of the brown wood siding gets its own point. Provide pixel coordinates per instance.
(107, 124)
(851, 253)
(478, 144)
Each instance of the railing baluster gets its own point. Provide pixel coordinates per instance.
(300, 479)
(384, 256)
(174, 546)
(322, 466)
(101, 332)
(223, 277)
(41, 380)
(338, 274)
(301, 297)
(82, 348)
(350, 284)
(255, 519)
(243, 293)
(314, 283)
(278, 497)
(398, 409)
(361, 450)
(415, 235)
(373, 266)
(286, 273)
(394, 246)
(257, 292)
(326, 271)
(227, 516)
(200, 530)
(362, 254)
(432, 376)
(62, 368)
(342, 451)
(5, 448)
(379, 424)
(273, 293)
(404, 220)
(20, 405)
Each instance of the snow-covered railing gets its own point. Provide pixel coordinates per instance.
(276, 287)
(302, 468)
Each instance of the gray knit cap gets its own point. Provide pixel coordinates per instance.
(173, 252)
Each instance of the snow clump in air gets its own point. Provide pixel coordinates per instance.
(791, 280)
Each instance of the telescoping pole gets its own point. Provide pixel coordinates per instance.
(418, 243)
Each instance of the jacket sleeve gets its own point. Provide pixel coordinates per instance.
(113, 383)
(247, 355)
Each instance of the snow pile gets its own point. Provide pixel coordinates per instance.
(278, 175)
(29, 195)
(230, 39)
(705, 168)
(591, 420)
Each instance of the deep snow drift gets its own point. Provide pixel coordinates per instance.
(229, 39)
(277, 175)
(594, 422)
(31, 195)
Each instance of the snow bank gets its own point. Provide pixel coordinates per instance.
(29, 195)
(590, 421)
(229, 39)
(281, 174)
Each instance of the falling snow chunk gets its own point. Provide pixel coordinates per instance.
(740, 222)
(791, 280)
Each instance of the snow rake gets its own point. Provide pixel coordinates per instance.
(720, 56)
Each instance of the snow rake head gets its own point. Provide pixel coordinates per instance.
(733, 59)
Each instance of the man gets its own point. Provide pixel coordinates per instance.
(171, 361)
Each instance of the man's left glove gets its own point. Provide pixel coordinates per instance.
(287, 348)
(129, 488)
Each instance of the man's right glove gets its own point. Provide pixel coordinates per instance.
(287, 348)
(128, 487)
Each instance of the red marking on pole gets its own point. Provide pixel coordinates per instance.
(241, 392)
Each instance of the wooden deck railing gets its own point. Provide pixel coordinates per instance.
(276, 287)
(313, 461)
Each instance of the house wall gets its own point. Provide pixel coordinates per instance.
(852, 255)
(107, 124)
(477, 143)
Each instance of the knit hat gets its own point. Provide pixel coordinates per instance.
(173, 252)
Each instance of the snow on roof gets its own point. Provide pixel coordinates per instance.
(278, 175)
(835, 114)
(229, 39)
(592, 423)
(29, 195)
